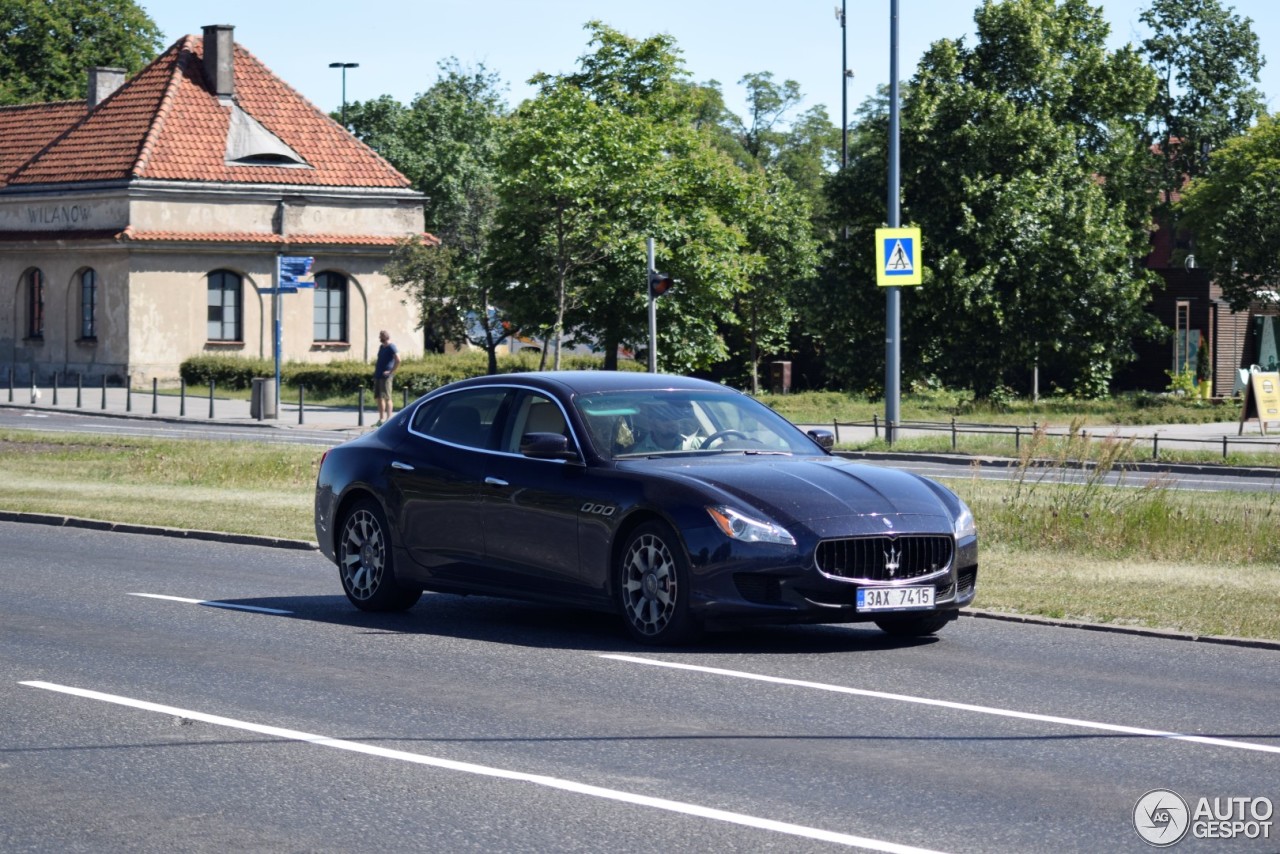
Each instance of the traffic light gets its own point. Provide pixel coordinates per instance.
(659, 284)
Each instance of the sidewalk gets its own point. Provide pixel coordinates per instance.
(119, 402)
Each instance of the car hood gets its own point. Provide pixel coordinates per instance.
(811, 489)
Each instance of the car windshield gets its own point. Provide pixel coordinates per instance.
(628, 424)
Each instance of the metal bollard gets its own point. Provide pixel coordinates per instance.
(1224, 447)
(128, 394)
(79, 389)
(875, 425)
(155, 395)
(1017, 438)
(104, 391)
(953, 434)
(55, 388)
(1155, 446)
(211, 385)
(360, 416)
(301, 401)
(11, 383)
(182, 398)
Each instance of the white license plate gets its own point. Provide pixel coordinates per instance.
(894, 598)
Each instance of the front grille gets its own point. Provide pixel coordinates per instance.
(885, 558)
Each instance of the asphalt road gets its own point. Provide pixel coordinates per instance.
(160, 695)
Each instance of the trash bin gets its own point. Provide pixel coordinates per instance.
(262, 403)
(780, 377)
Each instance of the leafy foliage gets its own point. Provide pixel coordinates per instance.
(1024, 168)
(1207, 61)
(1234, 211)
(46, 47)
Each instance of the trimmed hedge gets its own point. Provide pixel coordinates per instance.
(347, 377)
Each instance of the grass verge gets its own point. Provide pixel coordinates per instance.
(1206, 563)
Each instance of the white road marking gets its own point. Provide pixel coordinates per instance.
(489, 771)
(213, 603)
(947, 704)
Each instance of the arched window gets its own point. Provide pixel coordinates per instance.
(35, 303)
(331, 307)
(88, 303)
(224, 306)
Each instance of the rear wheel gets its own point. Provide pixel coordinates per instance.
(915, 626)
(366, 564)
(653, 584)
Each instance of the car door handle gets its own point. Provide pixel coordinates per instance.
(495, 481)
(396, 464)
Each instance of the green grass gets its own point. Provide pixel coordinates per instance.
(1206, 563)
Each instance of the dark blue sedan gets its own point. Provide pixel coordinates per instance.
(675, 502)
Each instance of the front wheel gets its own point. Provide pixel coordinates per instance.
(915, 626)
(653, 584)
(366, 564)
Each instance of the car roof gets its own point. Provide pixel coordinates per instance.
(587, 382)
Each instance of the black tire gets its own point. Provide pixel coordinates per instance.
(366, 563)
(653, 587)
(915, 626)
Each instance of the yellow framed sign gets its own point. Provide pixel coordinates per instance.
(898, 252)
(1261, 400)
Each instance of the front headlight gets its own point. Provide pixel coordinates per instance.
(964, 524)
(737, 526)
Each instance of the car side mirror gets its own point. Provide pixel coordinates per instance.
(547, 446)
(825, 438)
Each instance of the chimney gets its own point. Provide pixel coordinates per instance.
(219, 59)
(102, 82)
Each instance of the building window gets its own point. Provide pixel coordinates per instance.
(330, 321)
(88, 303)
(35, 304)
(224, 306)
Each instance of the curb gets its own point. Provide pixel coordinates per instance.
(303, 545)
(1008, 462)
(155, 530)
(191, 420)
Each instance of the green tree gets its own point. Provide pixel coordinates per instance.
(447, 142)
(47, 46)
(616, 152)
(1207, 61)
(1024, 167)
(1234, 211)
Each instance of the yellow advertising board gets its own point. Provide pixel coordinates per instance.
(1261, 400)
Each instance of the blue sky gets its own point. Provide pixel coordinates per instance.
(398, 43)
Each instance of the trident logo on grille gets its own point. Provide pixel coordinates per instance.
(892, 560)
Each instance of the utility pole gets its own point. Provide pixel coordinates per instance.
(893, 295)
(344, 66)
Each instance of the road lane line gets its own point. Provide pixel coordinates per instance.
(948, 704)
(211, 603)
(501, 773)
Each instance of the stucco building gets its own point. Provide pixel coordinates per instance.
(139, 227)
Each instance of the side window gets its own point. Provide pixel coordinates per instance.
(536, 413)
(463, 418)
(224, 306)
(88, 303)
(330, 320)
(35, 304)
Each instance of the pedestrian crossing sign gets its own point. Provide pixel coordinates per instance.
(898, 257)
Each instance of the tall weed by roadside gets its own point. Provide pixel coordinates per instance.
(1070, 495)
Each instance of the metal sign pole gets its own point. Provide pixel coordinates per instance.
(279, 335)
(653, 312)
(893, 325)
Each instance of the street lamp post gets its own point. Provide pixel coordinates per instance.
(344, 66)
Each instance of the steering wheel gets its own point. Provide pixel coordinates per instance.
(721, 434)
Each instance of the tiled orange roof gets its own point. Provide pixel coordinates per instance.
(26, 129)
(165, 124)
